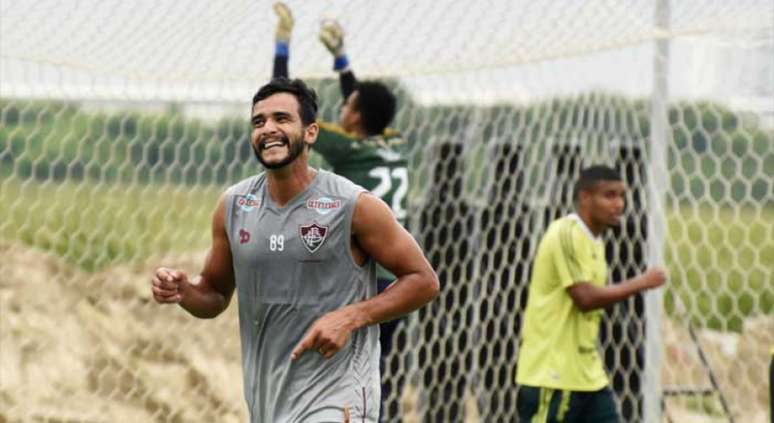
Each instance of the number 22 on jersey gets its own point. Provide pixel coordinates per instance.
(387, 179)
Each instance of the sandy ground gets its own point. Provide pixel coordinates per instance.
(82, 347)
(95, 348)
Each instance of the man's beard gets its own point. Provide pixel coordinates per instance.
(294, 150)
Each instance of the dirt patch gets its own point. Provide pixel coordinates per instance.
(95, 348)
(739, 363)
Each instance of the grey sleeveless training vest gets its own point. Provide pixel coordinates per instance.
(292, 265)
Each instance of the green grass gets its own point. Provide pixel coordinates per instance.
(720, 260)
(94, 225)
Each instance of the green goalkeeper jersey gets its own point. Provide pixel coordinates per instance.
(377, 163)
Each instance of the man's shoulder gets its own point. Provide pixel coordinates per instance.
(561, 227)
(391, 149)
(339, 185)
(391, 138)
(564, 234)
(246, 185)
(335, 131)
(392, 134)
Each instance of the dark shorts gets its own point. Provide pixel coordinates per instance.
(545, 405)
(771, 387)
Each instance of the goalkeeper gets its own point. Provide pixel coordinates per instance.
(360, 147)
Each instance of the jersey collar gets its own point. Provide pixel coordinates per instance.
(585, 228)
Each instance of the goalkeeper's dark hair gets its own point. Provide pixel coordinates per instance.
(307, 98)
(376, 104)
(590, 176)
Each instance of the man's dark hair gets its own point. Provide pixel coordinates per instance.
(307, 98)
(376, 103)
(590, 176)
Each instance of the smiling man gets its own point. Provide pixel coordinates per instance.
(301, 246)
(559, 368)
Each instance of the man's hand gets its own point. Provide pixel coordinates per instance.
(284, 22)
(332, 37)
(168, 285)
(328, 334)
(653, 277)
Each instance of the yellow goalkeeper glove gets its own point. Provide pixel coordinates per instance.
(284, 23)
(332, 37)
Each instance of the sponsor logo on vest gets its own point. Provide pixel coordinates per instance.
(313, 236)
(323, 205)
(247, 202)
(244, 236)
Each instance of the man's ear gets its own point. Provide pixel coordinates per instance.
(311, 132)
(357, 119)
(583, 196)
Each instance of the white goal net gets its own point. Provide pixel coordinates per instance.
(121, 122)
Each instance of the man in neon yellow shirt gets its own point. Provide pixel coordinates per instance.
(559, 368)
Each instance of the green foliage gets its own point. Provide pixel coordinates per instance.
(62, 141)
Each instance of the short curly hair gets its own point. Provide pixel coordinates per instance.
(590, 176)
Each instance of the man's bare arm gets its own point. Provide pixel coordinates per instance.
(587, 296)
(382, 238)
(211, 294)
(282, 36)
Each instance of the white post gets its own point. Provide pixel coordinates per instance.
(658, 182)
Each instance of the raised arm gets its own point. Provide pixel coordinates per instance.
(347, 83)
(332, 37)
(211, 293)
(380, 236)
(282, 39)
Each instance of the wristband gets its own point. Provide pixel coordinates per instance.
(281, 48)
(340, 63)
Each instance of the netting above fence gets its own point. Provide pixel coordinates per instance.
(216, 51)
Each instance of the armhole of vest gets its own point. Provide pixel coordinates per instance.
(350, 218)
(228, 205)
